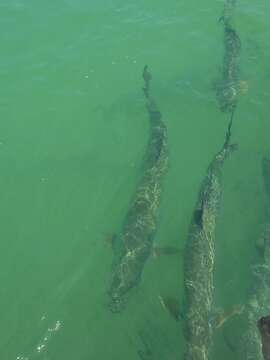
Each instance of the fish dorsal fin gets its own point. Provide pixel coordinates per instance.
(199, 212)
(198, 217)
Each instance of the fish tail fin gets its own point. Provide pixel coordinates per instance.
(152, 108)
(147, 78)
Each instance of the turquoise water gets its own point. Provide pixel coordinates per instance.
(73, 132)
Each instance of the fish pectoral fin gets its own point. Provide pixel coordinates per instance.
(221, 317)
(221, 18)
(172, 305)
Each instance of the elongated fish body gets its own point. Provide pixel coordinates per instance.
(258, 304)
(140, 224)
(199, 260)
(228, 87)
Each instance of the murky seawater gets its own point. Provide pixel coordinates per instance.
(73, 132)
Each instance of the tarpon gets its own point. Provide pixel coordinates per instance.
(199, 259)
(229, 86)
(136, 237)
(258, 304)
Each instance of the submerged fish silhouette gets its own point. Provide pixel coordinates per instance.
(138, 231)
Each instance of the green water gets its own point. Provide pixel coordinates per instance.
(73, 132)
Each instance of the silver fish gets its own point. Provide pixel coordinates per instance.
(199, 259)
(136, 237)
